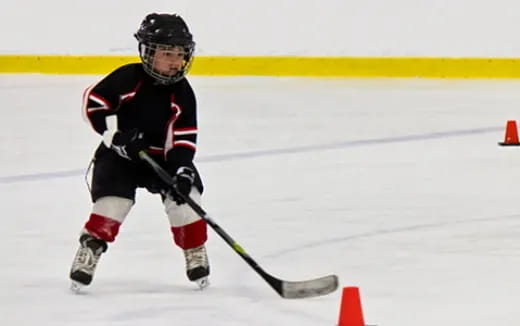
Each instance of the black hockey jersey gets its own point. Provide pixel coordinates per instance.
(166, 114)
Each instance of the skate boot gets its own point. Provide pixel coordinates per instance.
(197, 266)
(86, 260)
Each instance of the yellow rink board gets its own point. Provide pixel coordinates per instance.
(424, 67)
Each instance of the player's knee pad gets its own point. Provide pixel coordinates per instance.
(116, 208)
(180, 215)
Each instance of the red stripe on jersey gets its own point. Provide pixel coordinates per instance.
(86, 95)
(87, 90)
(84, 105)
(186, 130)
(170, 136)
(155, 150)
(187, 144)
(130, 95)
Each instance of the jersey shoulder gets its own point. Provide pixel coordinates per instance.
(122, 80)
(129, 73)
(183, 88)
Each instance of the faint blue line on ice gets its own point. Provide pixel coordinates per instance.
(346, 144)
(279, 151)
(41, 176)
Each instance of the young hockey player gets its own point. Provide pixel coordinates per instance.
(145, 106)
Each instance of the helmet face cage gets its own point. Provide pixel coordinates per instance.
(166, 32)
(147, 53)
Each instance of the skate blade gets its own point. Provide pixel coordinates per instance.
(202, 283)
(76, 287)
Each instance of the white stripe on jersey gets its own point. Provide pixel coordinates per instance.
(185, 132)
(97, 109)
(127, 96)
(168, 144)
(169, 136)
(99, 100)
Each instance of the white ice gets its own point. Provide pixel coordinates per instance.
(397, 186)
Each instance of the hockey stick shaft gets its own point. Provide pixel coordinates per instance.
(275, 283)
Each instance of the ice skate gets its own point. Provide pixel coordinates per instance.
(85, 262)
(197, 266)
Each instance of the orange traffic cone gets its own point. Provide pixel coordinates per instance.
(511, 137)
(350, 311)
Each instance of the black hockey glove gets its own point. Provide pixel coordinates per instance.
(128, 144)
(183, 180)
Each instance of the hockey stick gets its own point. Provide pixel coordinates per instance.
(286, 289)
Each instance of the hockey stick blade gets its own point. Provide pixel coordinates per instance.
(286, 289)
(310, 288)
(296, 289)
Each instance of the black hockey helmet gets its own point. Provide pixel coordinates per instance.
(164, 31)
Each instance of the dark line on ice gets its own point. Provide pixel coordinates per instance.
(275, 152)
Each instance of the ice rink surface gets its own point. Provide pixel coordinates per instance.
(397, 186)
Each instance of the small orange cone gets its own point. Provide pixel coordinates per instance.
(350, 311)
(511, 137)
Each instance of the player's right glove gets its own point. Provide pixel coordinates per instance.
(128, 144)
(183, 180)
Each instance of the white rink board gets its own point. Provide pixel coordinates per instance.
(445, 28)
